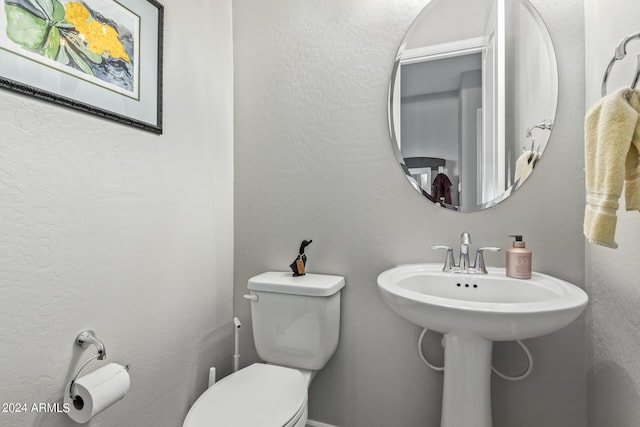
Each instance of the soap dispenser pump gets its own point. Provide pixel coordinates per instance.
(519, 259)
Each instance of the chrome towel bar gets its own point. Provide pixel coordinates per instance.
(620, 53)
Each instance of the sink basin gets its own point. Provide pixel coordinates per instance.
(472, 311)
(491, 305)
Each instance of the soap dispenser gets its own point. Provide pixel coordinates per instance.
(519, 260)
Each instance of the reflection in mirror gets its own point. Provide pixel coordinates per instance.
(472, 100)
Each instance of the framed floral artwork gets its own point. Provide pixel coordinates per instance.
(103, 57)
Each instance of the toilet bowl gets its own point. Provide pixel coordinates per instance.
(295, 329)
(258, 395)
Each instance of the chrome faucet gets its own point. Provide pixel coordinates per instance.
(465, 242)
(464, 266)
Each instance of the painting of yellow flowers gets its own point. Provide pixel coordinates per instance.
(95, 53)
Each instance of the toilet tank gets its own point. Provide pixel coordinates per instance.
(296, 320)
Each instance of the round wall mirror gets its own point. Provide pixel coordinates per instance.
(472, 100)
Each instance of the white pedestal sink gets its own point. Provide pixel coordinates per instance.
(472, 311)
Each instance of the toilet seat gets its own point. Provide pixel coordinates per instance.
(258, 395)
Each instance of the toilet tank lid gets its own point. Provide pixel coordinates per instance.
(315, 285)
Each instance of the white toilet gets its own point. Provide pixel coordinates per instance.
(296, 324)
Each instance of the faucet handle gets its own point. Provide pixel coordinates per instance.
(448, 261)
(479, 264)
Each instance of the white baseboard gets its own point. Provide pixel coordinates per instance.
(311, 423)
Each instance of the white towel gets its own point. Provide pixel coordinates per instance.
(612, 159)
(524, 165)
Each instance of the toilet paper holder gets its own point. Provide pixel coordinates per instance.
(84, 340)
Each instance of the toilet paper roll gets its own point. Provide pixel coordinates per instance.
(97, 391)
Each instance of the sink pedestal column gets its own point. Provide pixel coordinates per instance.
(466, 398)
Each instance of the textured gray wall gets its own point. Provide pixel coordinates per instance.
(613, 364)
(313, 160)
(106, 227)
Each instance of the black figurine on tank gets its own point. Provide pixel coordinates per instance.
(298, 265)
